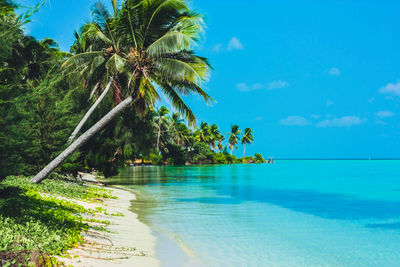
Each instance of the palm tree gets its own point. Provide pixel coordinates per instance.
(203, 134)
(234, 137)
(161, 121)
(155, 49)
(216, 137)
(182, 134)
(247, 139)
(178, 129)
(98, 53)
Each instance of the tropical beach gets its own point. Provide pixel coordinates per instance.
(199, 133)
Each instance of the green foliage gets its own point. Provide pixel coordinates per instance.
(259, 158)
(155, 158)
(248, 159)
(201, 153)
(37, 100)
(33, 221)
(175, 154)
(220, 158)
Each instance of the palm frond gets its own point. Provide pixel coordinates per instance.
(80, 58)
(94, 33)
(178, 69)
(171, 42)
(178, 103)
(100, 13)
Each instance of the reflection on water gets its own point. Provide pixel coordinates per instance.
(292, 213)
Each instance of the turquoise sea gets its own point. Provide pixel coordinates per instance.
(291, 213)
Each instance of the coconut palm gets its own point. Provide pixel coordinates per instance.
(247, 139)
(182, 134)
(162, 122)
(203, 134)
(216, 137)
(98, 54)
(234, 137)
(175, 127)
(154, 47)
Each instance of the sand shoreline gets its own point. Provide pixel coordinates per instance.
(125, 241)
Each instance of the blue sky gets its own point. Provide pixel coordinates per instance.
(316, 79)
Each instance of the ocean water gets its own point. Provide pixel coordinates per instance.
(291, 213)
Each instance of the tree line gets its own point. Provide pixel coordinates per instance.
(94, 107)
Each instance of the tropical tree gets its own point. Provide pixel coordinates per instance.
(216, 137)
(203, 134)
(162, 123)
(182, 134)
(175, 121)
(156, 41)
(234, 137)
(98, 53)
(247, 139)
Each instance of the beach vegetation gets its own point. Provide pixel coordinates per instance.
(38, 221)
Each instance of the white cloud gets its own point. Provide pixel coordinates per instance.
(217, 48)
(390, 88)
(384, 114)
(345, 121)
(329, 103)
(295, 121)
(277, 85)
(334, 71)
(235, 44)
(243, 87)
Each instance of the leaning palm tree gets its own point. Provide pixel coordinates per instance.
(98, 53)
(247, 139)
(155, 49)
(234, 137)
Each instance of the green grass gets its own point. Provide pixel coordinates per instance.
(35, 226)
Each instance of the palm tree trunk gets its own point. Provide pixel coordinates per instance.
(94, 90)
(159, 133)
(244, 150)
(90, 111)
(82, 140)
(231, 150)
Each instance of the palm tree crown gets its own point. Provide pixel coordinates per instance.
(247, 139)
(234, 137)
(148, 44)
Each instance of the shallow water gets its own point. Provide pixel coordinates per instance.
(291, 213)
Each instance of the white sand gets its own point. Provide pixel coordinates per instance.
(130, 242)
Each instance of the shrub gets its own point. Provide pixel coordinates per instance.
(220, 158)
(155, 158)
(35, 226)
(248, 159)
(175, 154)
(201, 152)
(259, 158)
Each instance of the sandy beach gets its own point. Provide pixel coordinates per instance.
(125, 241)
